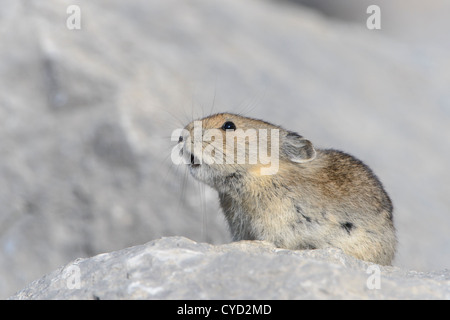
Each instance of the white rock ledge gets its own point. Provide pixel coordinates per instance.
(179, 268)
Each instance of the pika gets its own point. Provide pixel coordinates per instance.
(314, 198)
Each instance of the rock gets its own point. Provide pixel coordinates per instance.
(179, 268)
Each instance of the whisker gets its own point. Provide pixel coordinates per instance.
(214, 97)
(247, 108)
(204, 231)
(179, 121)
(182, 197)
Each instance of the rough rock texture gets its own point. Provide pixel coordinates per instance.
(178, 268)
(86, 118)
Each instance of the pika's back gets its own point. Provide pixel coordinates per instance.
(342, 176)
(299, 197)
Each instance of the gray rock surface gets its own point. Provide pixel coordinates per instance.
(86, 118)
(179, 268)
(415, 22)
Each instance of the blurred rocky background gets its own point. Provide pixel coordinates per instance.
(86, 115)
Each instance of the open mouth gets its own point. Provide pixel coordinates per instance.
(194, 162)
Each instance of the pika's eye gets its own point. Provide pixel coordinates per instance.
(229, 126)
(180, 139)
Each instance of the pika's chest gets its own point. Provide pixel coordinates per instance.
(274, 220)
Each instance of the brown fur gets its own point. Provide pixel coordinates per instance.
(317, 199)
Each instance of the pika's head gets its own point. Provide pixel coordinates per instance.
(225, 145)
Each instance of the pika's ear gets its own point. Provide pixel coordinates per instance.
(297, 149)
